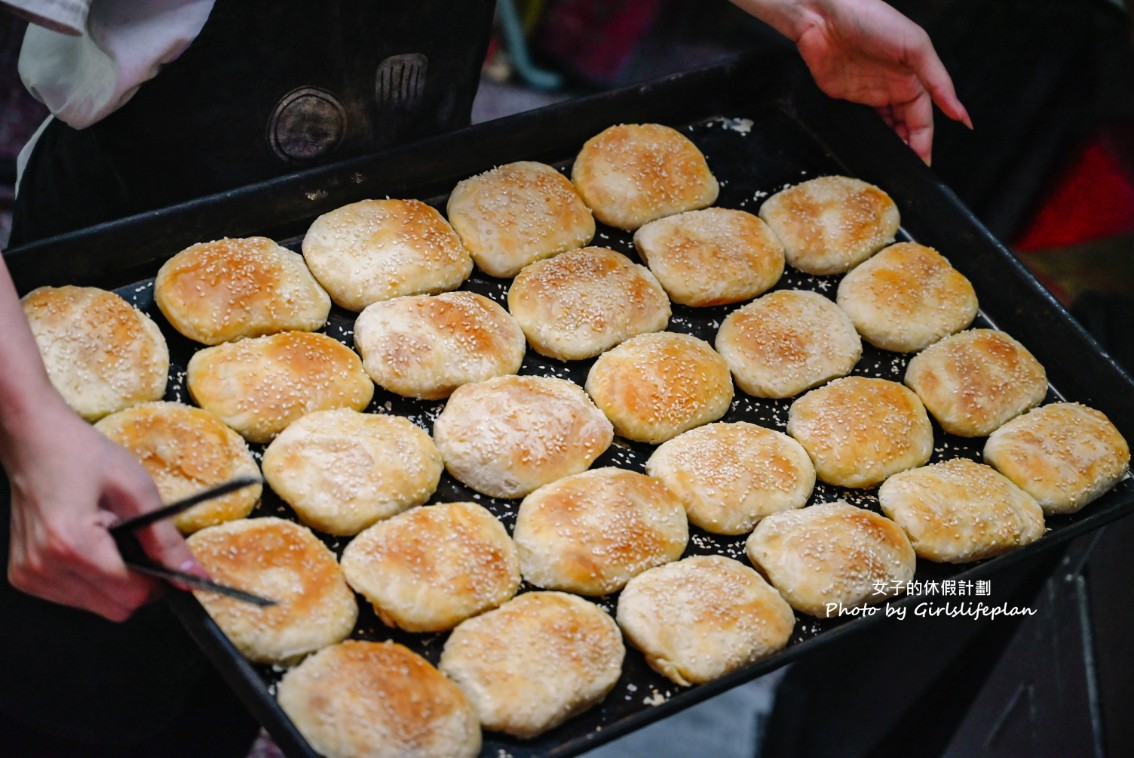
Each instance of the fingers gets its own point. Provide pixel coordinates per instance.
(938, 84)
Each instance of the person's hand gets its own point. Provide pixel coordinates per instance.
(69, 483)
(867, 52)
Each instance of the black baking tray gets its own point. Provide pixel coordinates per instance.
(762, 125)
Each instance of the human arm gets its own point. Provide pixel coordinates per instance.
(867, 52)
(68, 484)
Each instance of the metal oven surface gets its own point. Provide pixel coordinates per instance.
(762, 127)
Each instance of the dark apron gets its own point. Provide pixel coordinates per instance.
(267, 88)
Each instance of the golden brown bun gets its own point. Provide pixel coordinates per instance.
(518, 213)
(589, 533)
(713, 256)
(380, 700)
(535, 661)
(282, 561)
(341, 470)
(187, 450)
(830, 557)
(907, 297)
(633, 173)
(580, 303)
(101, 353)
(506, 436)
(702, 617)
(380, 249)
(425, 346)
(858, 430)
(655, 386)
(260, 385)
(960, 510)
(1064, 454)
(786, 342)
(730, 475)
(430, 568)
(974, 381)
(830, 224)
(214, 292)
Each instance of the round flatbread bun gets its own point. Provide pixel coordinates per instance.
(430, 568)
(379, 700)
(633, 173)
(591, 532)
(282, 561)
(713, 256)
(959, 510)
(518, 213)
(260, 385)
(859, 431)
(1064, 454)
(341, 470)
(786, 342)
(214, 292)
(730, 475)
(907, 297)
(535, 661)
(655, 386)
(101, 353)
(425, 346)
(187, 450)
(827, 559)
(580, 303)
(380, 249)
(830, 224)
(506, 436)
(702, 617)
(974, 381)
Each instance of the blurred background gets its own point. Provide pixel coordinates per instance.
(1049, 169)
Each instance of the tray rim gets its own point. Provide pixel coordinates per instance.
(848, 132)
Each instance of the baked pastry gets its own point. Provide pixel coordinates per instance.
(282, 561)
(1064, 454)
(859, 431)
(633, 173)
(535, 661)
(907, 297)
(655, 386)
(702, 617)
(187, 450)
(218, 291)
(380, 700)
(974, 381)
(430, 568)
(341, 470)
(518, 213)
(589, 533)
(959, 510)
(260, 385)
(506, 436)
(786, 342)
(730, 475)
(101, 353)
(425, 346)
(580, 303)
(712, 256)
(830, 224)
(375, 250)
(831, 557)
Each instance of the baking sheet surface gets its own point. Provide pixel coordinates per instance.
(754, 152)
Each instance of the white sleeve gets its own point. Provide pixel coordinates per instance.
(124, 43)
(63, 16)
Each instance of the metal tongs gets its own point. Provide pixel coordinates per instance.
(124, 536)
